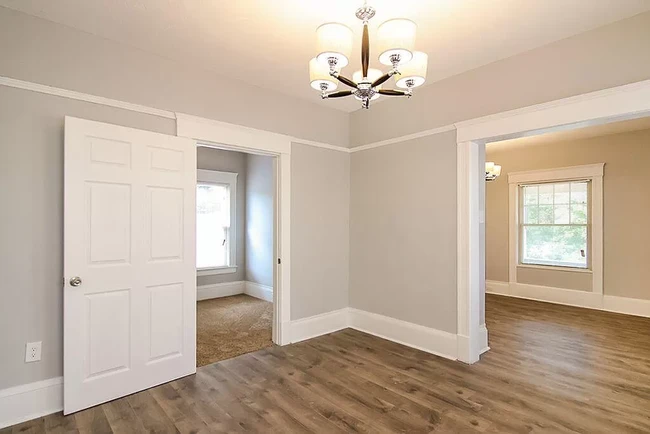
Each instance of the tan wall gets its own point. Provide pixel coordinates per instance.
(626, 208)
(403, 231)
(605, 57)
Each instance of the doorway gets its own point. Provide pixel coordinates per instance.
(236, 213)
(597, 108)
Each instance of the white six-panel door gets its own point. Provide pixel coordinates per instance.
(129, 236)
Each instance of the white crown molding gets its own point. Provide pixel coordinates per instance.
(617, 103)
(569, 297)
(405, 138)
(85, 97)
(30, 401)
(80, 96)
(320, 145)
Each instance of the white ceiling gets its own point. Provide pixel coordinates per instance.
(268, 43)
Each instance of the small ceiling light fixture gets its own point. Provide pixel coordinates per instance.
(492, 171)
(396, 38)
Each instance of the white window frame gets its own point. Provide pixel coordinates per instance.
(592, 173)
(554, 264)
(229, 178)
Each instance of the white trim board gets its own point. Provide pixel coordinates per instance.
(592, 172)
(613, 104)
(218, 290)
(610, 105)
(257, 290)
(94, 99)
(483, 340)
(318, 325)
(436, 342)
(569, 297)
(222, 135)
(80, 96)
(30, 401)
(405, 138)
(226, 289)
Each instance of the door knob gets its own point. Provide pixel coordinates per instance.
(75, 281)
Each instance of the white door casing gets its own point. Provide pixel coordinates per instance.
(129, 234)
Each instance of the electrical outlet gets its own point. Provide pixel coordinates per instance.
(32, 352)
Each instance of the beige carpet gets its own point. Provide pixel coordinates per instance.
(230, 326)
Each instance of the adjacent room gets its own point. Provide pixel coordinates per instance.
(567, 253)
(324, 216)
(234, 253)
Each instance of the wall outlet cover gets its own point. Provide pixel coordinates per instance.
(33, 352)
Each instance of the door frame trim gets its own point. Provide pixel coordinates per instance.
(222, 135)
(595, 108)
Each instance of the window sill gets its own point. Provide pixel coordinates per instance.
(556, 268)
(215, 271)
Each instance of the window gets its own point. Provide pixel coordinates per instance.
(216, 194)
(554, 227)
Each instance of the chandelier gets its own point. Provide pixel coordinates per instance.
(396, 39)
(492, 171)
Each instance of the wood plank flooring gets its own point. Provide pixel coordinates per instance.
(551, 369)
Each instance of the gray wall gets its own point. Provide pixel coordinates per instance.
(403, 231)
(235, 162)
(320, 230)
(31, 229)
(44, 52)
(260, 188)
(605, 57)
(31, 224)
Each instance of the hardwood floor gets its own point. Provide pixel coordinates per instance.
(551, 369)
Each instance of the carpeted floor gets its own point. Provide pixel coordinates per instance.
(230, 326)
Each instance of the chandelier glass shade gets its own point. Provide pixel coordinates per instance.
(334, 41)
(396, 37)
(396, 43)
(492, 171)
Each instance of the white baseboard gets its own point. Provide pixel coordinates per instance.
(483, 339)
(263, 292)
(317, 325)
(432, 341)
(589, 300)
(216, 290)
(629, 306)
(30, 401)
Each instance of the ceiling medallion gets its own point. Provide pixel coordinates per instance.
(396, 39)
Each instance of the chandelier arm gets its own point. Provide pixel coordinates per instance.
(384, 78)
(343, 80)
(393, 92)
(337, 94)
(365, 51)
